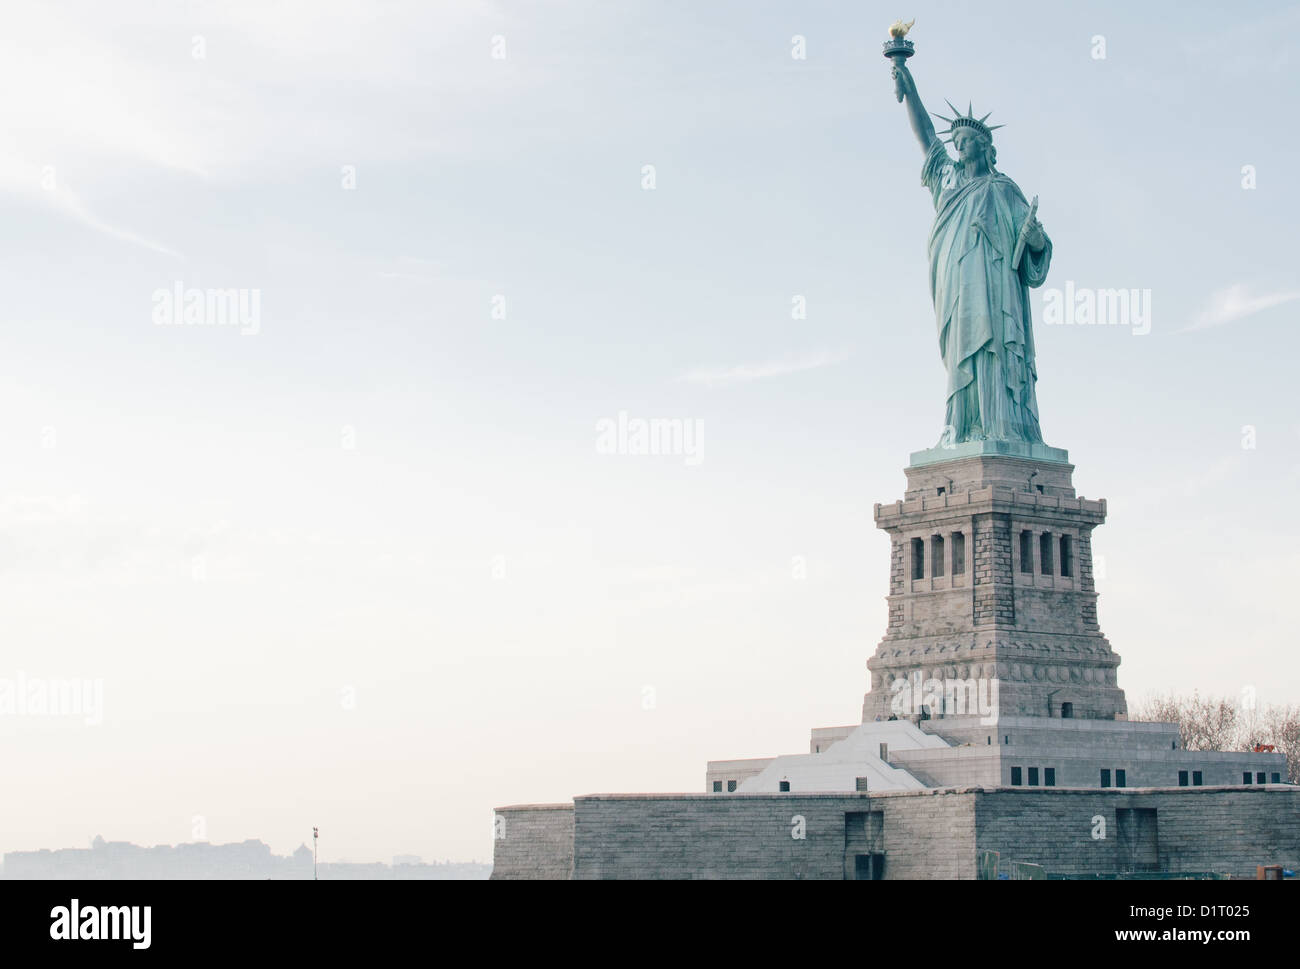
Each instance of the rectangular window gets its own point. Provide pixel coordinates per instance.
(1033, 777)
(869, 867)
(1245, 777)
(1182, 778)
(1196, 778)
(918, 558)
(1067, 556)
(936, 555)
(1259, 778)
(1015, 777)
(1119, 777)
(783, 786)
(1105, 777)
(731, 786)
(1277, 777)
(1027, 552)
(717, 787)
(1045, 552)
(1049, 776)
(958, 553)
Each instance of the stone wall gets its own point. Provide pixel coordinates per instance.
(921, 834)
(994, 600)
(689, 836)
(680, 836)
(1228, 830)
(928, 834)
(533, 841)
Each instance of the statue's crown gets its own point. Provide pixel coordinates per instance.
(967, 120)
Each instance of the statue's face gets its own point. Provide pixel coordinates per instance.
(970, 147)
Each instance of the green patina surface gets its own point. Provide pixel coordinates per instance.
(974, 449)
(987, 250)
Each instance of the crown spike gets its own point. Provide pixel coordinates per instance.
(967, 120)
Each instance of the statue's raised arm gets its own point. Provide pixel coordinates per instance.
(917, 116)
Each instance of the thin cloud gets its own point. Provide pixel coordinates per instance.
(1237, 302)
(27, 180)
(746, 372)
(71, 205)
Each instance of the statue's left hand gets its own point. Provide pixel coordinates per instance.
(1036, 238)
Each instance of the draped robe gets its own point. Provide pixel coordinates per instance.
(981, 304)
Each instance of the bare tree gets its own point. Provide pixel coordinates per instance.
(1283, 730)
(1203, 723)
(1218, 723)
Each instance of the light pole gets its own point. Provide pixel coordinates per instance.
(315, 837)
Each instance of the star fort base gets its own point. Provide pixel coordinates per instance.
(994, 740)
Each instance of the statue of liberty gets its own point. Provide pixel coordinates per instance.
(987, 250)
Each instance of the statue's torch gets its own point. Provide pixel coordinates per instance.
(899, 50)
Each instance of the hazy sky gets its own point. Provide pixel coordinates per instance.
(361, 565)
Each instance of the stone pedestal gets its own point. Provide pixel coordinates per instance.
(991, 591)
